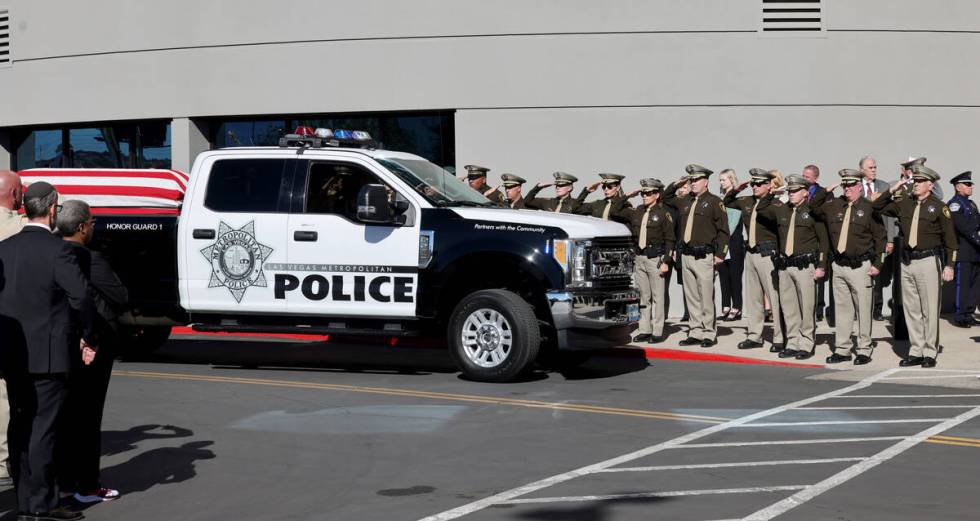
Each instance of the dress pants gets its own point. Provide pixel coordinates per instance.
(920, 297)
(852, 291)
(967, 285)
(36, 400)
(760, 279)
(796, 289)
(653, 308)
(699, 293)
(80, 429)
(4, 425)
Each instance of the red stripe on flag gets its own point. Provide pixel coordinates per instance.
(142, 191)
(135, 211)
(105, 173)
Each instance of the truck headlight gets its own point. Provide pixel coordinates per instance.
(572, 256)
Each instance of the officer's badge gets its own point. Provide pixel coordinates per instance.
(932, 209)
(955, 207)
(860, 213)
(805, 215)
(236, 260)
(656, 218)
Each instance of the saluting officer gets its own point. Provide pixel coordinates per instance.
(653, 231)
(857, 239)
(760, 274)
(562, 203)
(929, 254)
(612, 196)
(512, 190)
(705, 237)
(476, 176)
(966, 220)
(803, 248)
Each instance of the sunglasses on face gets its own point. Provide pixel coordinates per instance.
(648, 194)
(914, 180)
(758, 183)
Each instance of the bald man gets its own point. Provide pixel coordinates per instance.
(10, 223)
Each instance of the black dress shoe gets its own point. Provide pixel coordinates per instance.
(861, 359)
(788, 353)
(690, 341)
(928, 362)
(776, 348)
(54, 515)
(656, 339)
(819, 315)
(642, 337)
(962, 322)
(803, 355)
(837, 358)
(909, 361)
(749, 344)
(877, 316)
(685, 318)
(708, 343)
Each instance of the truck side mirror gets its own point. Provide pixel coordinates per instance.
(399, 205)
(373, 205)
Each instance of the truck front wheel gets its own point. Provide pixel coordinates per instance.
(493, 335)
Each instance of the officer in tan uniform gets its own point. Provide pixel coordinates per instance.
(653, 231)
(563, 202)
(762, 247)
(929, 254)
(11, 222)
(476, 177)
(512, 185)
(704, 222)
(857, 240)
(802, 261)
(612, 196)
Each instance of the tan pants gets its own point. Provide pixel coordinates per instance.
(852, 290)
(759, 280)
(4, 425)
(796, 295)
(699, 293)
(652, 296)
(921, 298)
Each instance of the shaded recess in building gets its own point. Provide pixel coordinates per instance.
(129, 144)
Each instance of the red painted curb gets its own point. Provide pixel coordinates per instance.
(289, 336)
(677, 354)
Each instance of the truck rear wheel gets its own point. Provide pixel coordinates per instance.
(493, 336)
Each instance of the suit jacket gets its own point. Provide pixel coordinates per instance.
(109, 295)
(40, 283)
(890, 223)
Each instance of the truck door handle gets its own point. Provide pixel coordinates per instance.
(304, 236)
(203, 234)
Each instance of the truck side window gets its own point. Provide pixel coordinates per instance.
(332, 188)
(245, 185)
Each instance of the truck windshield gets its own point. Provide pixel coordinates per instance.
(434, 183)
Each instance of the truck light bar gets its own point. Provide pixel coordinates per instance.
(307, 137)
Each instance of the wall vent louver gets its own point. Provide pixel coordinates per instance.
(792, 17)
(4, 37)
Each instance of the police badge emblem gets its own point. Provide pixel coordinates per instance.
(860, 213)
(236, 259)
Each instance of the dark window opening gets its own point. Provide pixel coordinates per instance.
(245, 185)
(332, 188)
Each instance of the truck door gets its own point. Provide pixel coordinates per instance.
(235, 228)
(339, 265)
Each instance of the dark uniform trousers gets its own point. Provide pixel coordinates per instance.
(967, 285)
(36, 401)
(966, 221)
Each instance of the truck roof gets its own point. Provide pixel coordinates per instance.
(375, 153)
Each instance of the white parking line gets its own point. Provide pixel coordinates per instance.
(675, 493)
(837, 422)
(786, 442)
(590, 469)
(908, 396)
(877, 407)
(973, 375)
(738, 464)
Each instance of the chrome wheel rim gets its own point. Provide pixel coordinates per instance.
(487, 338)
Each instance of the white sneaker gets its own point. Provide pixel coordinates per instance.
(97, 496)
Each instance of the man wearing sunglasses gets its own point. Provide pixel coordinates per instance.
(966, 220)
(605, 208)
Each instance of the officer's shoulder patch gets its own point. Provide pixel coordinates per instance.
(721, 206)
(668, 217)
(946, 211)
(955, 207)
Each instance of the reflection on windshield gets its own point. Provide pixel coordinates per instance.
(434, 183)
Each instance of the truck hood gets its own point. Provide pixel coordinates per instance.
(576, 226)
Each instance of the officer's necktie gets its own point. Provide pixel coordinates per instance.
(690, 221)
(643, 228)
(752, 225)
(605, 213)
(914, 232)
(791, 236)
(558, 206)
(842, 242)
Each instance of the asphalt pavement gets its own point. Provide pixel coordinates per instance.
(219, 428)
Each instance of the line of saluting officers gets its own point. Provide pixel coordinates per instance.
(791, 245)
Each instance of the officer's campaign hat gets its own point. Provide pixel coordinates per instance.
(650, 185)
(849, 176)
(965, 178)
(511, 180)
(475, 171)
(796, 182)
(563, 179)
(611, 179)
(914, 161)
(760, 175)
(695, 172)
(924, 172)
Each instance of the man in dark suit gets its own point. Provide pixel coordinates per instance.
(40, 283)
(817, 196)
(79, 441)
(872, 188)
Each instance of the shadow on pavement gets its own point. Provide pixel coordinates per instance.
(117, 442)
(161, 466)
(585, 511)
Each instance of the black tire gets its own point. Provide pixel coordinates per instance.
(143, 340)
(517, 320)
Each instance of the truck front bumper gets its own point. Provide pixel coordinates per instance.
(594, 320)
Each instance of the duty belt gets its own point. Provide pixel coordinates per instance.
(764, 248)
(853, 262)
(910, 255)
(699, 251)
(653, 250)
(797, 260)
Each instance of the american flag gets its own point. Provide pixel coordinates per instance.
(116, 191)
